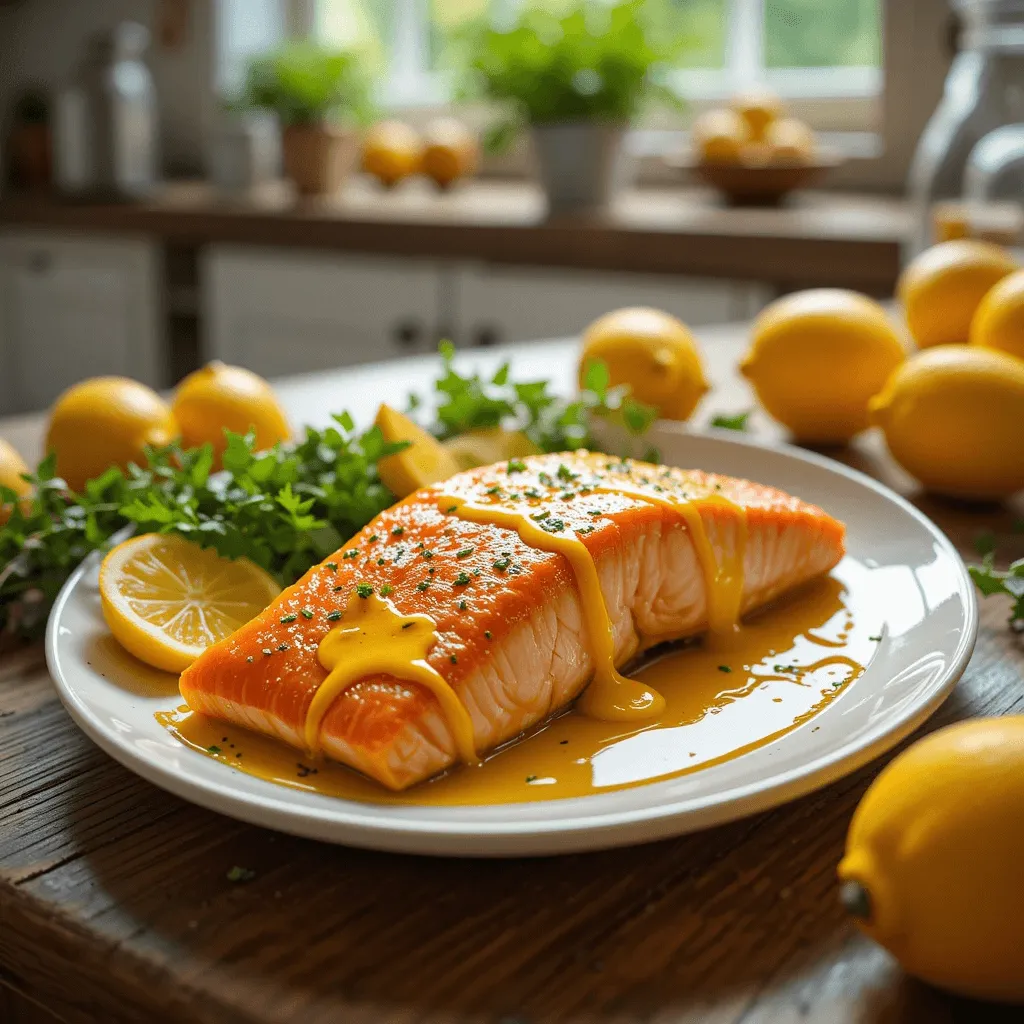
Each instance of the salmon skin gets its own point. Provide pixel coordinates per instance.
(511, 640)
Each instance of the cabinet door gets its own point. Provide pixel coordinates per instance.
(504, 304)
(278, 312)
(76, 308)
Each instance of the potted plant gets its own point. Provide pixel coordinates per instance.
(577, 79)
(320, 97)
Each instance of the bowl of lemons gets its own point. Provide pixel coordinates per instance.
(753, 152)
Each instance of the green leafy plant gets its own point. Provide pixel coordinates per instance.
(285, 509)
(590, 61)
(989, 580)
(554, 424)
(306, 84)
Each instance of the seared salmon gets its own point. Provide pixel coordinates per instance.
(511, 636)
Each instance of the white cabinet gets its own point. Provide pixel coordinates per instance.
(280, 312)
(495, 304)
(75, 307)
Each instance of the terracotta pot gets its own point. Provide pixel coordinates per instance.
(318, 157)
(31, 155)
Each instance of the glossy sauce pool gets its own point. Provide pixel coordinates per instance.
(784, 666)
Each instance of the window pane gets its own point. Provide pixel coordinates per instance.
(355, 23)
(822, 33)
(447, 17)
(702, 22)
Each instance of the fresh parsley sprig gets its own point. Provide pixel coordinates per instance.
(989, 580)
(285, 509)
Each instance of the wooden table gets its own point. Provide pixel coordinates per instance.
(115, 904)
(818, 238)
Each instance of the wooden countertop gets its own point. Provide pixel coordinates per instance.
(115, 905)
(818, 239)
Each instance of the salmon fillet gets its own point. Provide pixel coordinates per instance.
(511, 642)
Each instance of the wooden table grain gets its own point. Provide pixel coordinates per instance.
(115, 904)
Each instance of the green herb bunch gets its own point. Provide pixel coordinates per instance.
(555, 424)
(584, 61)
(304, 84)
(285, 509)
(989, 580)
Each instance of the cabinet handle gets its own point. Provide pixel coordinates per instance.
(40, 262)
(408, 333)
(487, 336)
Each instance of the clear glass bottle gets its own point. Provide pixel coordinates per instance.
(984, 91)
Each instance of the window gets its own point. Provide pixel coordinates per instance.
(799, 48)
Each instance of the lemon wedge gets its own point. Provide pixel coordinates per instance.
(425, 461)
(490, 444)
(166, 600)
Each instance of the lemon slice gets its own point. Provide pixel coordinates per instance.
(425, 461)
(166, 600)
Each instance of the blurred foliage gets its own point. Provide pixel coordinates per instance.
(580, 61)
(822, 33)
(308, 84)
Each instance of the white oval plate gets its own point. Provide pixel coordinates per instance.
(925, 600)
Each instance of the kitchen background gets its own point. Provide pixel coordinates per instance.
(197, 246)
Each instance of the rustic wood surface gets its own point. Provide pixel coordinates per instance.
(818, 238)
(115, 905)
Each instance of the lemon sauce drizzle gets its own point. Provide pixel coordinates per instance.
(375, 639)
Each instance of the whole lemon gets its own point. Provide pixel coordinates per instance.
(999, 320)
(759, 109)
(952, 418)
(817, 357)
(391, 152)
(932, 864)
(719, 136)
(450, 151)
(103, 422)
(653, 353)
(11, 467)
(942, 288)
(220, 397)
(790, 140)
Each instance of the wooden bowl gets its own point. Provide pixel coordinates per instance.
(760, 184)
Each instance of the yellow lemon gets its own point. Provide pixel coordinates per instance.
(488, 445)
(933, 859)
(653, 353)
(103, 422)
(790, 140)
(759, 109)
(719, 136)
(817, 357)
(942, 288)
(952, 418)
(11, 467)
(392, 151)
(218, 398)
(450, 151)
(425, 461)
(166, 600)
(999, 320)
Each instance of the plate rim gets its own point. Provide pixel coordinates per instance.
(581, 832)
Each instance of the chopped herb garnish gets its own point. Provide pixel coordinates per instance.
(306, 613)
(545, 479)
(494, 490)
(386, 590)
(237, 874)
(374, 537)
(427, 554)
(408, 625)
(463, 605)
(431, 570)
(336, 589)
(487, 634)
(364, 590)
(463, 553)
(351, 553)
(595, 512)
(585, 530)
(461, 580)
(724, 668)
(397, 531)
(283, 647)
(450, 509)
(305, 770)
(538, 517)
(333, 566)
(531, 778)
(213, 749)
(565, 473)
(563, 742)
(515, 466)
(553, 526)
(877, 639)
(566, 495)
(285, 619)
(454, 660)
(502, 564)
(333, 616)
(423, 586)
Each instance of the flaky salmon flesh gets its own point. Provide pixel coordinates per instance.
(510, 634)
